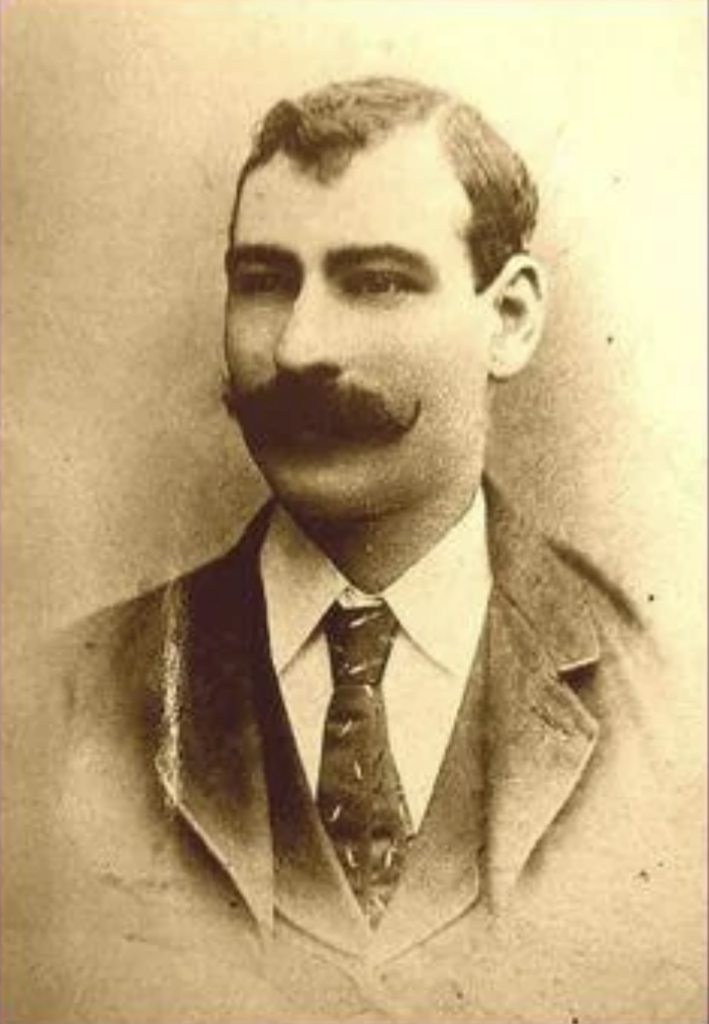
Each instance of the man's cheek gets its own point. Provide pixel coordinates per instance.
(249, 367)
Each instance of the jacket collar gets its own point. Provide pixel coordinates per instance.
(541, 645)
(531, 573)
(543, 650)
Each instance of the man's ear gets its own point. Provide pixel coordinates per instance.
(519, 297)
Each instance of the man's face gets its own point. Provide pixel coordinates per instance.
(357, 346)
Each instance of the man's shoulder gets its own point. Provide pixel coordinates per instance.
(553, 579)
(631, 686)
(629, 656)
(630, 669)
(607, 595)
(135, 623)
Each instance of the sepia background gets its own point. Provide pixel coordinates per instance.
(123, 127)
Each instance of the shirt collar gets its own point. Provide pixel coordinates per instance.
(447, 587)
(440, 600)
(300, 583)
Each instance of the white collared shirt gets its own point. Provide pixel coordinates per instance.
(440, 604)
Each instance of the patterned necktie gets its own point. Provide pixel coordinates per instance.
(360, 797)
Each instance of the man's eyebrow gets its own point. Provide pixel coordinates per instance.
(353, 256)
(271, 255)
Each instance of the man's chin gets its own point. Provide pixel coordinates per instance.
(335, 483)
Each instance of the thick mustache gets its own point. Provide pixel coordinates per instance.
(289, 406)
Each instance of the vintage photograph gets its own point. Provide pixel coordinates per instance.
(354, 511)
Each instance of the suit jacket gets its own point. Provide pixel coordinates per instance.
(187, 876)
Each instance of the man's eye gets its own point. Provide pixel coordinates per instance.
(256, 282)
(375, 284)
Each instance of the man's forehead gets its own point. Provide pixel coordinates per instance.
(403, 190)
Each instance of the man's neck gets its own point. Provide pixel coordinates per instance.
(374, 552)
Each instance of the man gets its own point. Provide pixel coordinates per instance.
(392, 754)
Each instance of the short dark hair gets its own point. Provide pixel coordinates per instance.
(324, 129)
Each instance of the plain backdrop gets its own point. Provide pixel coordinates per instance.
(123, 127)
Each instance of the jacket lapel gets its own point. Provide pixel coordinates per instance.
(520, 747)
(211, 759)
(539, 736)
(521, 743)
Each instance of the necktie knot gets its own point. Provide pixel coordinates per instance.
(360, 641)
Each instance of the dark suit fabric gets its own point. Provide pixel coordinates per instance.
(190, 878)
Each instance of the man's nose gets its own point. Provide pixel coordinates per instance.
(308, 339)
